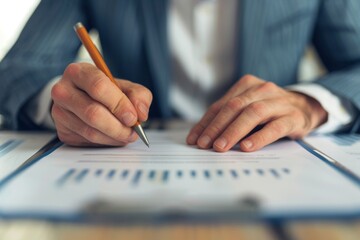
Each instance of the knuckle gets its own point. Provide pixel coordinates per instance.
(92, 114)
(213, 130)
(307, 121)
(235, 104)
(99, 86)
(268, 87)
(291, 126)
(302, 121)
(260, 139)
(123, 135)
(247, 79)
(232, 135)
(142, 91)
(90, 134)
(215, 107)
(257, 109)
(197, 129)
(284, 127)
(148, 94)
(200, 127)
(278, 128)
(297, 130)
(72, 70)
(307, 124)
(59, 93)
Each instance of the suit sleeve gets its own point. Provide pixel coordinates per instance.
(337, 40)
(45, 47)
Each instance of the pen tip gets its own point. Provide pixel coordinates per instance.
(146, 141)
(138, 129)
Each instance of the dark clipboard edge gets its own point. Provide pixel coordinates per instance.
(42, 152)
(331, 162)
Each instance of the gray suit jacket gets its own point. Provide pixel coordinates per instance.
(272, 36)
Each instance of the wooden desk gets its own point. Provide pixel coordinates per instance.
(297, 230)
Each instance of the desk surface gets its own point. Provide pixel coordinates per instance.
(330, 230)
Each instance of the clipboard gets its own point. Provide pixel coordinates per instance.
(285, 180)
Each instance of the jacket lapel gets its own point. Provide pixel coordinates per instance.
(251, 36)
(154, 15)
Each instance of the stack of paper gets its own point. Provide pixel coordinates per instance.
(170, 177)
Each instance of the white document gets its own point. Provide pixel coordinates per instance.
(170, 176)
(343, 149)
(17, 147)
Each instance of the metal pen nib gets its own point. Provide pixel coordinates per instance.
(139, 130)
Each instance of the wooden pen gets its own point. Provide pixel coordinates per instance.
(100, 63)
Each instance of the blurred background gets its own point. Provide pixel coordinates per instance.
(13, 16)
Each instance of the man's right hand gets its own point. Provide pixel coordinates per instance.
(89, 110)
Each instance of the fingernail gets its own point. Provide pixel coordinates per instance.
(192, 138)
(247, 143)
(220, 143)
(204, 141)
(143, 109)
(128, 119)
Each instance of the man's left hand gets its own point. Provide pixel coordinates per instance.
(252, 102)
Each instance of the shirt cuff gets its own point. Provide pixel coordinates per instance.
(39, 107)
(340, 111)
